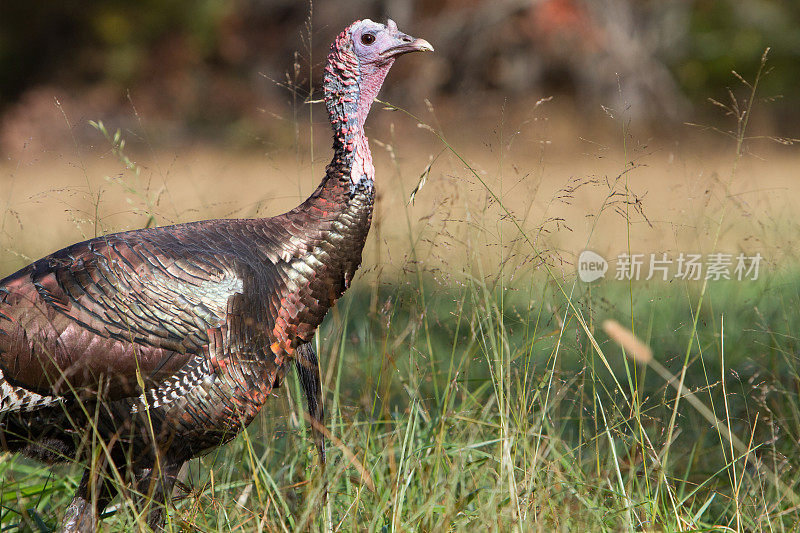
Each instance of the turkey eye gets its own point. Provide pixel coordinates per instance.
(368, 39)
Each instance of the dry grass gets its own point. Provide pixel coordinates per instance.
(570, 192)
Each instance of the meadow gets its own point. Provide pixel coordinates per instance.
(469, 383)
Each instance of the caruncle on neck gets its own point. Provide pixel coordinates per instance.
(359, 60)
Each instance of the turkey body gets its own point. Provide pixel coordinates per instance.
(184, 327)
(163, 343)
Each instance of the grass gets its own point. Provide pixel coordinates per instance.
(429, 431)
(469, 384)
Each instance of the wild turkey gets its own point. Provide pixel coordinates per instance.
(165, 343)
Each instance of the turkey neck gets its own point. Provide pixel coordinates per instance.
(348, 186)
(350, 89)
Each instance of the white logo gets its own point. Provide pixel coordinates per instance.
(591, 266)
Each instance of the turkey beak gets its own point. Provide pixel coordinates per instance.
(407, 44)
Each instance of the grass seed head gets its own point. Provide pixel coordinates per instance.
(629, 342)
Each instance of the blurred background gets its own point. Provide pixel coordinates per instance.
(220, 71)
(564, 108)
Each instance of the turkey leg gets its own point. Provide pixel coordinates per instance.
(81, 516)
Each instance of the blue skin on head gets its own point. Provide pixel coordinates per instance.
(359, 61)
(376, 43)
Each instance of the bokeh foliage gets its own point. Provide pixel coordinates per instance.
(128, 45)
(84, 42)
(731, 35)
